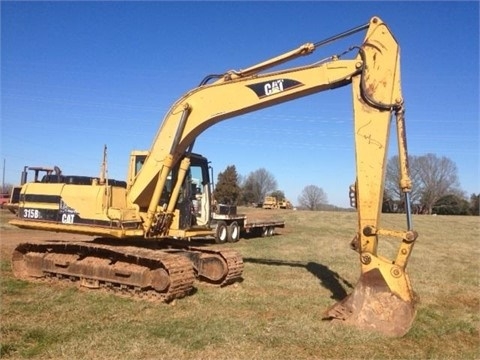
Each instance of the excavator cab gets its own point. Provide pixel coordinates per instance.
(193, 196)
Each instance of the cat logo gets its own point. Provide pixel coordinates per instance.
(68, 218)
(273, 87)
(68, 213)
(269, 88)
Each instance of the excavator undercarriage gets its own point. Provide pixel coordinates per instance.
(146, 272)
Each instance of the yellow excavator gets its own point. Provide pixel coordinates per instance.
(144, 224)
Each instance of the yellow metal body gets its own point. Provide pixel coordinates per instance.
(270, 202)
(374, 76)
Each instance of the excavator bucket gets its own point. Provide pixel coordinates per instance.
(374, 306)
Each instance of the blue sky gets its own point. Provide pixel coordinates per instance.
(76, 76)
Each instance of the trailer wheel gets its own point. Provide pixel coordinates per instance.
(221, 234)
(264, 231)
(271, 231)
(233, 232)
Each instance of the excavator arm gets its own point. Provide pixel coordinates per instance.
(383, 298)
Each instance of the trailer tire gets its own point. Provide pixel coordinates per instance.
(221, 233)
(233, 232)
(264, 231)
(271, 231)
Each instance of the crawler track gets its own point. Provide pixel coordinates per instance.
(143, 273)
(232, 260)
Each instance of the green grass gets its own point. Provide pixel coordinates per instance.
(275, 313)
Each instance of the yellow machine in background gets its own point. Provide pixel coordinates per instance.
(285, 204)
(156, 200)
(271, 202)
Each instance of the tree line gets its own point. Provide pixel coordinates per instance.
(233, 189)
(435, 188)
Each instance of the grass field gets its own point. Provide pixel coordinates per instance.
(275, 313)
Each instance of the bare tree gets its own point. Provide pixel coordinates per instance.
(312, 197)
(392, 180)
(432, 178)
(257, 184)
(438, 177)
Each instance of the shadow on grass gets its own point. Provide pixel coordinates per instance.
(329, 279)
